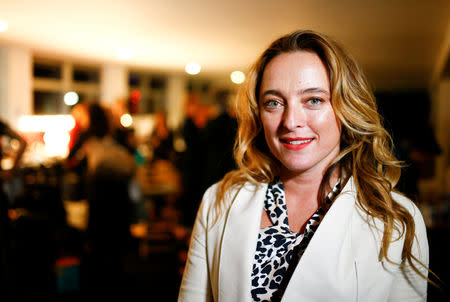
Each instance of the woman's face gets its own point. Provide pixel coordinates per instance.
(299, 122)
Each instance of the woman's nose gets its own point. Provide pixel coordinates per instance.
(294, 117)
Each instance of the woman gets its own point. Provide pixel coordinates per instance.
(311, 213)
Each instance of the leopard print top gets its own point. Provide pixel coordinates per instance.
(279, 249)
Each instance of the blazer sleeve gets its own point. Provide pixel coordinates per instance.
(195, 284)
(408, 285)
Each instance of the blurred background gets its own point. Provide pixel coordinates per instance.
(115, 117)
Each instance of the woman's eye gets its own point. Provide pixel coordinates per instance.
(272, 103)
(314, 101)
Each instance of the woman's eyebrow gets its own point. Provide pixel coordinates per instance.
(314, 89)
(272, 92)
(302, 91)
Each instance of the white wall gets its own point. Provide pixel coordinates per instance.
(15, 83)
(175, 97)
(113, 83)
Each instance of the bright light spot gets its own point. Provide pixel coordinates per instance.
(124, 54)
(44, 123)
(3, 26)
(179, 144)
(71, 98)
(193, 68)
(56, 142)
(7, 164)
(237, 77)
(135, 96)
(126, 120)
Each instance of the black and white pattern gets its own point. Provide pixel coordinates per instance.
(278, 249)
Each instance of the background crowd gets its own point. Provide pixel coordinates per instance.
(139, 206)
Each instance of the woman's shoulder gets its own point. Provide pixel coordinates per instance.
(397, 196)
(407, 203)
(414, 210)
(211, 195)
(212, 205)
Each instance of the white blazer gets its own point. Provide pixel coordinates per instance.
(339, 264)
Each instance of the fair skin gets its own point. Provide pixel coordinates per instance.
(301, 129)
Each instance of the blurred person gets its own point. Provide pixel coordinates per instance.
(80, 133)
(220, 134)
(192, 159)
(123, 135)
(80, 115)
(162, 139)
(126, 137)
(196, 111)
(165, 173)
(75, 161)
(312, 213)
(110, 167)
(5, 202)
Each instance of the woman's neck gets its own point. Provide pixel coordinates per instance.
(302, 197)
(306, 186)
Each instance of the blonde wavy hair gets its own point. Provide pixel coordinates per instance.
(366, 150)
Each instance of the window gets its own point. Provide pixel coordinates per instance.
(152, 88)
(52, 79)
(47, 70)
(86, 74)
(49, 102)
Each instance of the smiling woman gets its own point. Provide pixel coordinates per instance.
(313, 204)
(300, 127)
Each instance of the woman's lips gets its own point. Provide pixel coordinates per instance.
(296, 143)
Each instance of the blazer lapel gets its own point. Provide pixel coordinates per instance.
(239, 244)
(328, 258)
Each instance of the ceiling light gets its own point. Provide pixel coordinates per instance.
(193, 68)
(126, 120)
(3, 26)
(124, 54)
(237, 77)
(71, 98)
